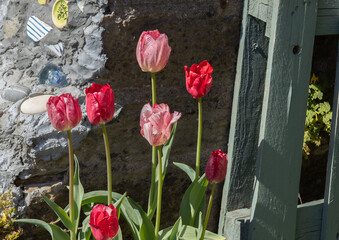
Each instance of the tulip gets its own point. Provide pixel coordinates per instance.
(99, 103)
(199, 79)
(104, 222)
(215, 172)
(216, 166)
(100, 110)
(64, 112)
(155, 123)
(152, 51)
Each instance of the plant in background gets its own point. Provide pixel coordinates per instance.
(318, 116)
(7, 230)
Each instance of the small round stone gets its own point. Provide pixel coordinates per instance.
(15, 93)
(35, 105)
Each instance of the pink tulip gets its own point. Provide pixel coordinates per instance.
(153, 51)
(155, 123)
(64, 112)
(216, 166)
(104, 222)
(199, 79)
(99, 103)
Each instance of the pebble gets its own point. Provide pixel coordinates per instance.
(35, 105)
(15, 93)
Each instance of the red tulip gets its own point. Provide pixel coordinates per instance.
(104, 222)
(216, 166)
(153, 51)
(199, 79)
(155, 123)
(99, 103)
(64, 112)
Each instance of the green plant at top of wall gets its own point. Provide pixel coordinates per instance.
(7, 230)
(318, 116)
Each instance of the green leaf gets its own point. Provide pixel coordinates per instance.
(56, 232)
(60, 213)
(118, 203)
(193, 202)
(147, 228)
(119, 235)
(176, 228)
(187, 169)
(189, 233)
(78, 194)
(86, 232)
(166, 150)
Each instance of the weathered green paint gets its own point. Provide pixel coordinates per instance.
(262, 9)
(328, 3)
(330, 226)
(309, 216)
(246, 114)
(327, 21)
(274, 206)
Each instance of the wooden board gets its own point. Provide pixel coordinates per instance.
(327, 21)
(246, 114)
(309, 217)
(274, 203)
(262, 10)
(328, 3)
(330, 229)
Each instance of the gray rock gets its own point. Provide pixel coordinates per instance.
(15, 93)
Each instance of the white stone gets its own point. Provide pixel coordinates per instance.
(35, 105)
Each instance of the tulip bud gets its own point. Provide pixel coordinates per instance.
(216, 166)
(64, 112)
(199, 79)
(104, 222)
(153, 51)
(99, 103)
(155, 123)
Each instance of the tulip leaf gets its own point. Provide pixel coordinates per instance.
(147, 228)
(86, 232)
(60, 213)
(166, 150)
(56, 232)
(78, 195)
(119, 235)
(193, 202)
(118, 203)
(189, 233)
(187, 169)
(184, 232)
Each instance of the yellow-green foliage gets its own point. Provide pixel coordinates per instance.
(318, 116)
(7, 230)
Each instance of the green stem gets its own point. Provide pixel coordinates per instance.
(208, 212)
(109, 168)
(152, 191)
(154, 153)
(197, 163)
(157, 222)
(154, 96)
(71, 183)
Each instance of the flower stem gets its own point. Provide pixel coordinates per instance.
(208, 212)
(154, 154)
(108, 162)
(154, 96)
(71, 183)
(197, 163)
(157, 222)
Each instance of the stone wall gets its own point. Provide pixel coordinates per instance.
(99, 45)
